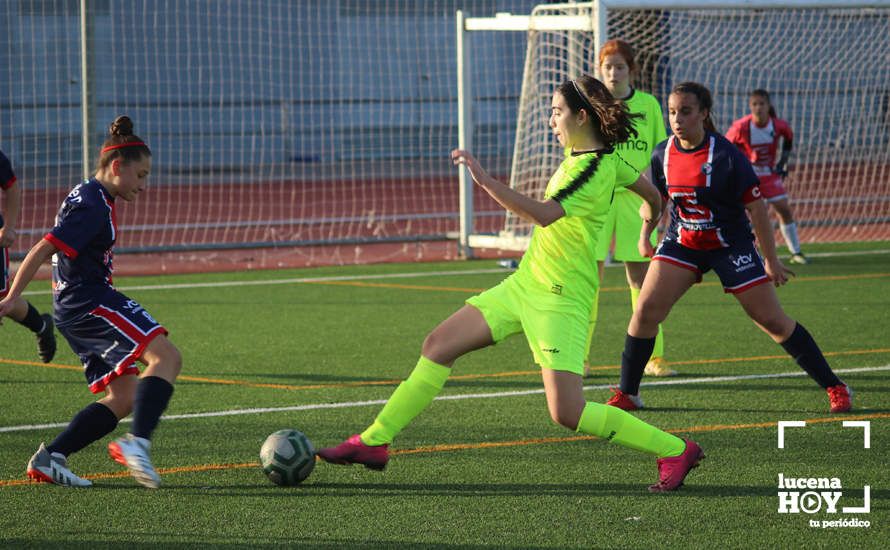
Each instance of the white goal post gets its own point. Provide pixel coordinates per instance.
(826, 65)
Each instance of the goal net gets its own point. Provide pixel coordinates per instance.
(827, 70)
(273, 123)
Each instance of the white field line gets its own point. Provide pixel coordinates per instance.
(264, 282)
(371, 277)
(350, 404)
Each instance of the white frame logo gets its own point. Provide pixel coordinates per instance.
(805, 494)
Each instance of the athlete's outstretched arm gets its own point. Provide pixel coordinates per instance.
(542, 213)
(763, 230)
(650, 211)
(38, 254)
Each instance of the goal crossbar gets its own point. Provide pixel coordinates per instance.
(593, 19)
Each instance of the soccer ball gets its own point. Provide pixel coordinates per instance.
(287, 457)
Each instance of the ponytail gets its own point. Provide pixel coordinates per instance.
(122, 144)
(609, 116)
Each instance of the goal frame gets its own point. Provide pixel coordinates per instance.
(596, 22)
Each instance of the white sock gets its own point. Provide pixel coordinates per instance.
(789, 231)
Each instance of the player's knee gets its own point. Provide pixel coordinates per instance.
(777, 325)
(121, 406)
(120, 400)
(174, 360)
(565, 418)
(434, 348)
(566, 414)
(168, 360)
(648, 313)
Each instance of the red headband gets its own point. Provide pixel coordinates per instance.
(130, 144)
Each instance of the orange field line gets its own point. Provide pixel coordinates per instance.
(507, 374)
(469, 446)
(603, 289)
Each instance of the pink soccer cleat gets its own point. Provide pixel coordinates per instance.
(673, 470)
(354, 451)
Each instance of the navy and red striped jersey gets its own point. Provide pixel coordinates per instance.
(709, 187)
(84, 232)
(7, 176)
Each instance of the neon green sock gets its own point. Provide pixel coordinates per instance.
(410, 398)
(627, 430)
(591, 324)
(658, 351)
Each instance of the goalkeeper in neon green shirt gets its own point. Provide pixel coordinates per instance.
(616, 59)
(549, 297)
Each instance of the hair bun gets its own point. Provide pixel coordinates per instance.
(122, 126)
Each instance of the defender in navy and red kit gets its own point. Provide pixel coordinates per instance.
(107, 330)
(709, 187)
(715, 192)
(22, 312)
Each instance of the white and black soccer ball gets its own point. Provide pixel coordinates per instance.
(287, 457)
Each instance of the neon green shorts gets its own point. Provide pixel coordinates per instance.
(555, 328)
(624, 223)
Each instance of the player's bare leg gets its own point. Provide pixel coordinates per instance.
(567, 406)
(761, 303)
(664, 285)
(788, 228)
(464, 331)
(636, 274)
(152, 395)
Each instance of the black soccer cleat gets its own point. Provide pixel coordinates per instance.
(46, 339)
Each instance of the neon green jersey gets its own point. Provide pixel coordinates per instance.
(561, 257)
(650, 130)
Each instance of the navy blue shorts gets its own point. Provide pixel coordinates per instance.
(110, 338)
(4, 271)
(739, 267)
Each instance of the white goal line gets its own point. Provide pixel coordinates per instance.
(494, 395)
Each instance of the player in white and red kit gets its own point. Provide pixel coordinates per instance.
(758, 136)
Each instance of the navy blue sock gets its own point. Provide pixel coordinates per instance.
(93, 422)
(32, 320)
(152, 396)
(636, 354)
(801, 346)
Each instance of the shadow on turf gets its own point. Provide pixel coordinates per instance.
(349, 490)
(174, 541)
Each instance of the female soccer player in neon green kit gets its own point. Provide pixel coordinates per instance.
(616, 59)
(549, 297)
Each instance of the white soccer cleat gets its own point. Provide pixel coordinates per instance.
(53, 468)
(134, 452)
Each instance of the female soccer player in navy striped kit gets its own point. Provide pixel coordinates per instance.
(107, 330)
(22, 312)
(711, 186)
